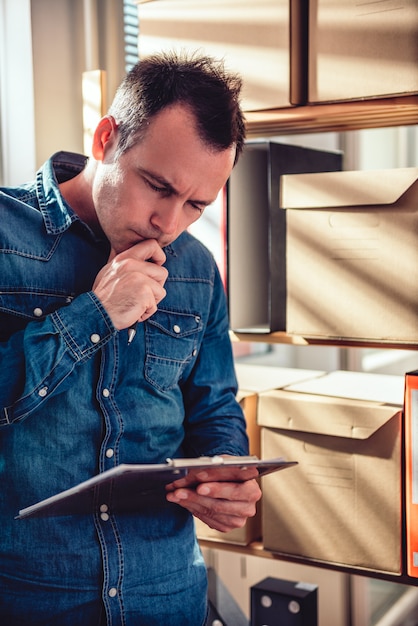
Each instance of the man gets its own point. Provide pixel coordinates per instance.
(92, 251)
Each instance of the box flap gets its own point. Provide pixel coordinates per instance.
(346, 189)
(322, 415)
(257, 378)
(381, 388)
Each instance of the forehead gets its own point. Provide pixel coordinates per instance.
(173, 148)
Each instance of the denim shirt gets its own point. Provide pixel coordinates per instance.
(76, 399)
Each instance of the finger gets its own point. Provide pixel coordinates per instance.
(146, 250)
(147, 313)
(218, 474)
(150, 293)
(223, 515)
(218, 506)
(132, 269)
(233, 492)
(223, 525)
(156, 272)
(220, 497)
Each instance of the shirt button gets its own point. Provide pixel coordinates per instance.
(194, 352)
(109, 453)
(104, 517)
(37, 312)
(176, 328)
(197, 318)
(104, 508)
(42, 392)
(113, 592)
(105, 393)
(95, 338)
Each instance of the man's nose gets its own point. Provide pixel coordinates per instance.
(166, 218)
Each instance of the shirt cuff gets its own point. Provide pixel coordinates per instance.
(84, 325)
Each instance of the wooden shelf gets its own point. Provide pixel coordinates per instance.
(257, 549)
(334, 117)
(297, 340)
(277, 337)
(317, 118)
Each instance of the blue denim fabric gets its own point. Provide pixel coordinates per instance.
(76, 400)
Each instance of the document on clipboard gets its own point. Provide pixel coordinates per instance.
(131, 487)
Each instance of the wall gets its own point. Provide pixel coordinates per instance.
(62, 51)
(57, 65)
(17, 153)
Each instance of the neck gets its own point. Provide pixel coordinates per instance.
(77, 192)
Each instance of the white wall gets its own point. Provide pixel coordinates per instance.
(70, 37)
(43, 54)
(17, 119)
(58, 62)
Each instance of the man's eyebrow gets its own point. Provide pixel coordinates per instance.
(161, 181)
(172, 190)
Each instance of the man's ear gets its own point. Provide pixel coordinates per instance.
(105, 137)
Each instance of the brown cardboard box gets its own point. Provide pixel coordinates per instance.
(362, 49)
(253, 38)
(255, 378)
(352, 255)
(342, 503)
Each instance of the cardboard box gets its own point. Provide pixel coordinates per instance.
(259, 378)
(362, 50)
(255, 378)
(342, 503)
(256, 231)
(352, 255)
(252, 38)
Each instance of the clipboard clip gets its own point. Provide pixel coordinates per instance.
(210, 460)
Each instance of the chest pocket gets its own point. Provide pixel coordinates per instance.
(171, 343)
(18, 308)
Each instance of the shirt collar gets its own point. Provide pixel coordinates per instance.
(62, 166)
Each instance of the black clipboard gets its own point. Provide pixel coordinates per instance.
(131, 487)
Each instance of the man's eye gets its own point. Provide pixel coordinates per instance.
(155, 187)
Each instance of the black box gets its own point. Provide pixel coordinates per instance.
(276, 602)
(256, 231)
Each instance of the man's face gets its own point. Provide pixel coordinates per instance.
(161, 185)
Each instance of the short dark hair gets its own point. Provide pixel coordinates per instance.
(200, 82)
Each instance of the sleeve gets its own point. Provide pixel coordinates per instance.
(215, 423)
(35, 362)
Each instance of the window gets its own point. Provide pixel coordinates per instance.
(130, 32)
